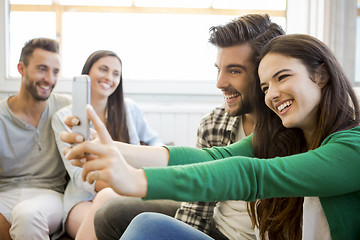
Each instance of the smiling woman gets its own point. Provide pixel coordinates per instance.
(124, 121)
(290, 92)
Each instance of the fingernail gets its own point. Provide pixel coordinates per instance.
(79, 138)
(83, 160)
(75, 121)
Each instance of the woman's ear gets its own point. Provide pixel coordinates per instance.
(322, 76)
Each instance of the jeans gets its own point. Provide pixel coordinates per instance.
(113, 218)
(148, 226)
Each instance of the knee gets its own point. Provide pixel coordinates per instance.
(150, 218)
(25, 214)
(104, 216)
(100, 217)
(147, 226)
(104, 195)
(27, 221)
(109, 212)
(105, 222)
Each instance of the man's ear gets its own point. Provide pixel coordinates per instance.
(20, 68)
(322, 77)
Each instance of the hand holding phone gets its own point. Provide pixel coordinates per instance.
(80, 98)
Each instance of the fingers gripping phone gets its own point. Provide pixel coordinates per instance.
(80, 98)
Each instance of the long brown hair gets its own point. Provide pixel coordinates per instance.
(281, 218)
(116, 111)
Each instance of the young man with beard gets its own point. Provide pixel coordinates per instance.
(238, 44)
(236, 63)
(32, 176)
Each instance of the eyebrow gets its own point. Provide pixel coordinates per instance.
(276, 74)
(233, 65)
(42, 65)
(281, 71)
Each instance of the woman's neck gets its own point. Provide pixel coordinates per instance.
(309, 137)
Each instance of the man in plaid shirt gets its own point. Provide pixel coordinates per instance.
(236, 64)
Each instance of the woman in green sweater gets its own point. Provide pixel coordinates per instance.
(299, 170)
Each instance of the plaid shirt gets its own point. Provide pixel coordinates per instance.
(216, 129)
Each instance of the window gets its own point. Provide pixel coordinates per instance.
(157, 40)
(357, 55)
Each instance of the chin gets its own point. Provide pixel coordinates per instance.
(231, 111)
(288, 125)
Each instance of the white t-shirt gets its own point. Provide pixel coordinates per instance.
(231, 217)
(315, 225)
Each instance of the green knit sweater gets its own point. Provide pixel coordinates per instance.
(330, 172)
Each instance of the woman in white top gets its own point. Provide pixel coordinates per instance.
(124, 121)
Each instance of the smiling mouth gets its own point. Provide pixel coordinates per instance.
(105, 85)
(231, 96)
(284, 106)
(44, 87)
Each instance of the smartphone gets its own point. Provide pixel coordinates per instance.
(80, 98)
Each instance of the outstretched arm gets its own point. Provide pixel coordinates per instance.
(105, 161)
(136, 156)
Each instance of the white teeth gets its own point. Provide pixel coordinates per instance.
(284, 105)
(47, 87)
(230, 96)
(105, 85)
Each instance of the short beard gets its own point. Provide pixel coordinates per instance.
(244, 108)
(31, 88)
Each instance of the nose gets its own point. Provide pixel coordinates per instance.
(273, 93)
(50, 77)
(109, 76)
(222, 82)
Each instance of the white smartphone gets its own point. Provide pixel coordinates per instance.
(80, 98)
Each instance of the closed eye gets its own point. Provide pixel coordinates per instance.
(281, 77)
(265, 89)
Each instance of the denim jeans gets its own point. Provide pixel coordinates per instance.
(149, 226)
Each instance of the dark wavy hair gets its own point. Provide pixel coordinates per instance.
(47, 44)
(280, 218)
(254, 29)
(116, 111)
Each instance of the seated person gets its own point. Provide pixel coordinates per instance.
(32, 174)
(125, 122)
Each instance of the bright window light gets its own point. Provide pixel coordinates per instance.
(174, 3)
(246, 4)
(152, 46)
(32, 2)
(35, 26)
(121, 3)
